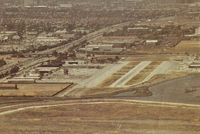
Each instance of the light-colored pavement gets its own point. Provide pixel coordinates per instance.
(95, 80)
(163, 68)
(103, 74)
(131, 74)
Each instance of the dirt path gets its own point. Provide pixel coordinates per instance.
(18, 108)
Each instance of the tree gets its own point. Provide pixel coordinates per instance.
(117, 58)
(21, 29)
(14, 70)
(55, 53)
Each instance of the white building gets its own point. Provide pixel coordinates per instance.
(65, 5)
(197, 31)
(102, 48)
(151, 42)
(138, 29)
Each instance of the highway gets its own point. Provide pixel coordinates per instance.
(90, 36)
(28, 63)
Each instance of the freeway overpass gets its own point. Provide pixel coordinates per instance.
(41, 56)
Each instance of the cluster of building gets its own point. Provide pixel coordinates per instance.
(11, 41)
(9, 35)
(57, 74)
(115, 44)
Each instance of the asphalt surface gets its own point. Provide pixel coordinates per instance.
(131, 74)
(95, 80)
(163, 68)
(180, 90)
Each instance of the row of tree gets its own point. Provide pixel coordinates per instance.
(2, 62)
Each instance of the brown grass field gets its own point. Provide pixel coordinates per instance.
(33, 90)
(104, 118)
(188, 46)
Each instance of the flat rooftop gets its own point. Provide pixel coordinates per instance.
(116, 39)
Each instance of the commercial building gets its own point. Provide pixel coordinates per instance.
(78, 64)
(151, 42)
(138, 29)
(194, 65)
(46, 70)
(102, 48)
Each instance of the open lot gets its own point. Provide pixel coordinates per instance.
(76, 75)
(74, 117)
(32, 89)
(188, 46)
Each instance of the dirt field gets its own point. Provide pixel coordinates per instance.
(188, 46)
(32, 89)
(104, 118)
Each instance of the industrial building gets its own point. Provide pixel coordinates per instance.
(102, 48)
(151, 42)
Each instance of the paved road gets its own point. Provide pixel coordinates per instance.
(90, 36)
(95, 80)
(65, 47)
(180, 90)
(163, 68)
(125, 116)
(131, 74)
